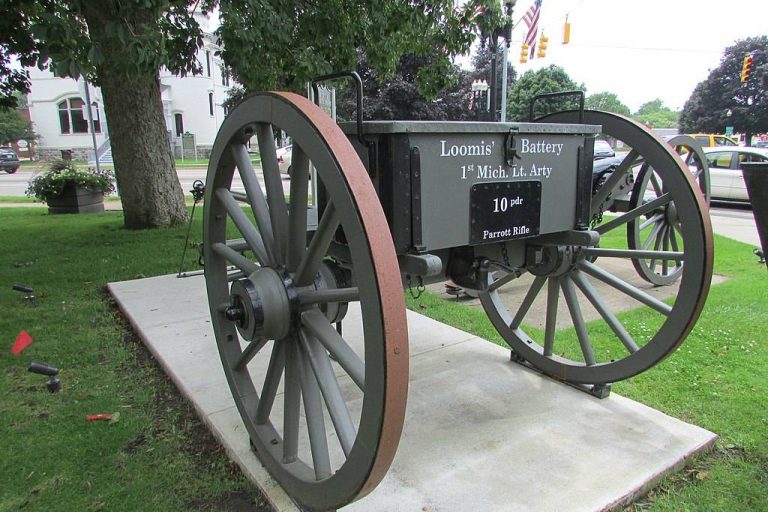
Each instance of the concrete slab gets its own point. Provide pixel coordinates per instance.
(480, 432)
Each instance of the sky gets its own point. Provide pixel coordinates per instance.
(640, 49)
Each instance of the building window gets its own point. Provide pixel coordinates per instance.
(210, 102)
(208, 62)
(96, 118)
(72, 118)
(225, 76)
(179, 121)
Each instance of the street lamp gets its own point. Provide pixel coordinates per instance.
(491, 38)
(480, 87)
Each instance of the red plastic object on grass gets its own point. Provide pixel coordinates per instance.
(95, 417)
(23, 340)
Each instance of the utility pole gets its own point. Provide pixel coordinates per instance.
(88, 111)
(504, 60)
(492, 40)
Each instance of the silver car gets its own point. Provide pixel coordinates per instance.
(726, 179)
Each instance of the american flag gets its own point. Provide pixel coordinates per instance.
(531, 19)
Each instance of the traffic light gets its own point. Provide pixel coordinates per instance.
(524, 53)
(542, 52)
(746, 67)
(566, 32)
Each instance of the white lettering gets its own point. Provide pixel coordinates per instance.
(481, 149)
(540, 171)
(521, 230)
(539, 146)
(486, 172)
(513, 231)
(490, 235)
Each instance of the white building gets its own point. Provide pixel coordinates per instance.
(191, 105)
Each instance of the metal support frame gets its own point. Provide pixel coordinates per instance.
(601, 390)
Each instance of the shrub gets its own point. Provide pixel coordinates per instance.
(61, 173)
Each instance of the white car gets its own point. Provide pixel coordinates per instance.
(603, 150)
(284, 158)
(726, 180)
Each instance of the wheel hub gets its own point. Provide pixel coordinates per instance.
(550, 260)
(671, 214)
(264, 304)
(329, 276)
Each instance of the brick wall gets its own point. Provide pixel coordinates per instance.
(51, 154)
(204, 151)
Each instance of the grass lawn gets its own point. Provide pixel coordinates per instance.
(17, 199)
(159, 457)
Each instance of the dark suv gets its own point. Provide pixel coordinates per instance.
(9, 162)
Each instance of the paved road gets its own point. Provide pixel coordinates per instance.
(732, 220)
(16, 184)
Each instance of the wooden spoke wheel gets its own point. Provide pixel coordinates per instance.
(598, 322)
(660, 229)
(324, 411)
(692, 154)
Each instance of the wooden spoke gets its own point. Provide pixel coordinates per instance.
(235, 258)
(255, 197)
(309, 297)
(297, 221)
(271, 383)
(317, 325)
(329, 386)
(318, 247)
(249, 353)
(248, 230)
(278, 210)
(313, 411)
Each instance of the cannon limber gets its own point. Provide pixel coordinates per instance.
(493, 207)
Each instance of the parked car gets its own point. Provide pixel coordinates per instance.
(708, 140)
(284, 158)
(603, 150)
(761, 144)
(725, 176)
(9, 162)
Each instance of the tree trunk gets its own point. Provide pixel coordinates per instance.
(145, 170)
(144, 167)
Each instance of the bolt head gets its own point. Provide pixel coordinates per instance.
(234, 313)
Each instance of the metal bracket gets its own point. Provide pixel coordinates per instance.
(510, 151)
(426, 265)
(367, 142)
(415, 168)
(597, 390)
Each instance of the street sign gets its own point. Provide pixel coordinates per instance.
(729, 130)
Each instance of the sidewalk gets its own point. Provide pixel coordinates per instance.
(564, 449)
